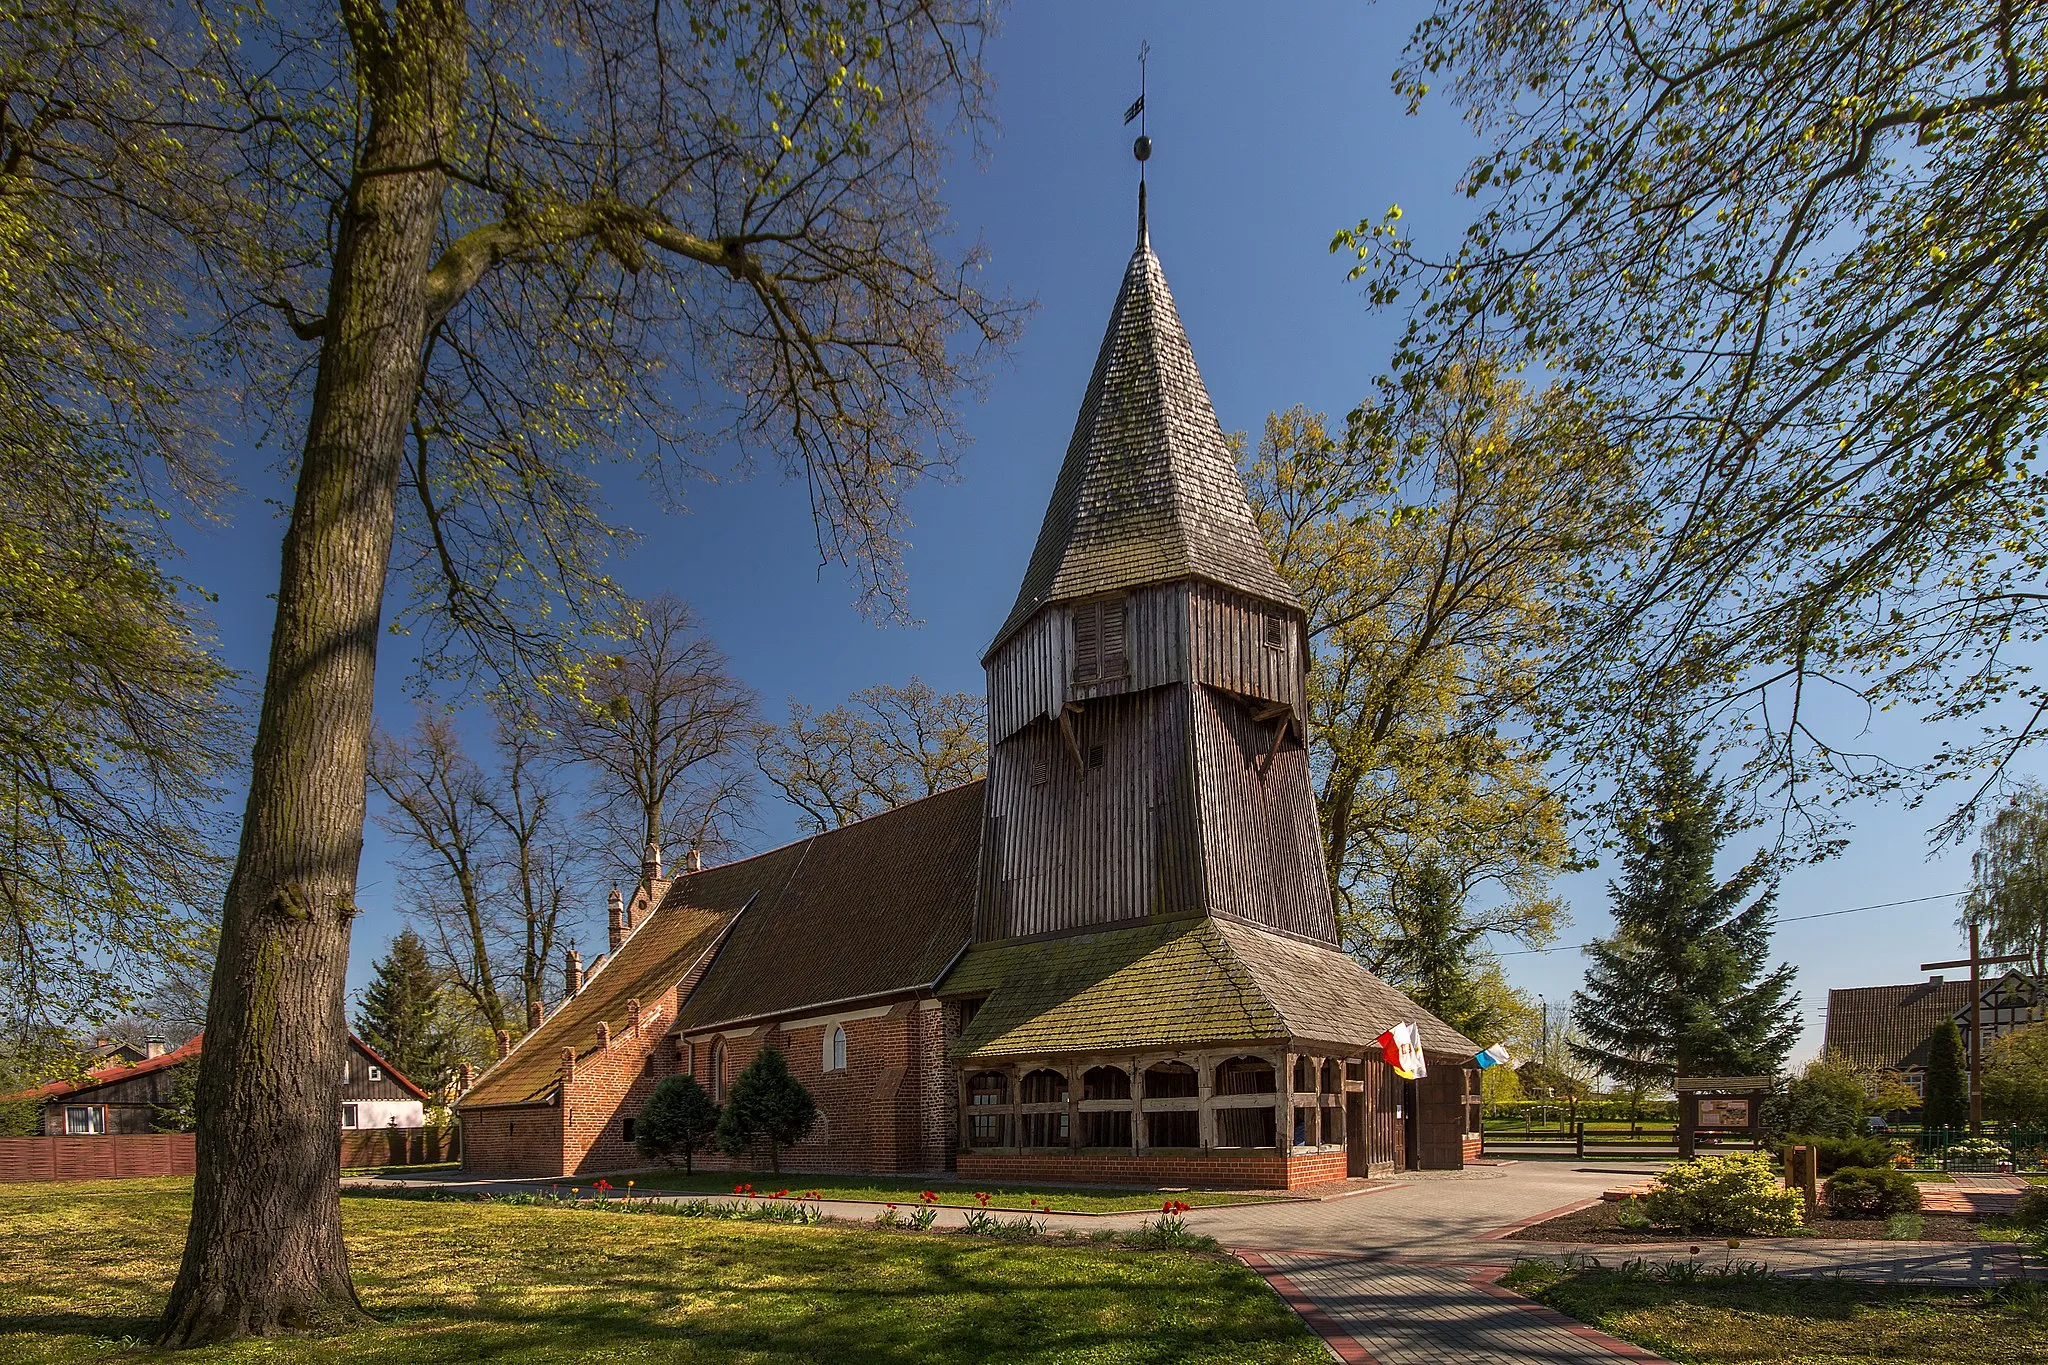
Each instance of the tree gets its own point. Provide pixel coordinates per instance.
(1433, 949)
(2016, 1077)
(882, 747)
(1829, 1097)
(1683, 986)
(2009, 878)
(677, 1119)
(664, 725)
(115, 731)
(1797, 250)
(1436, 543)
(178, 1111)
(766, 1104)
(401, 1015)
(1944, 1093)
(490, 862)
(456, 247)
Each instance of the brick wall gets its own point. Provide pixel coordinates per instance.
(1238, 1170)
(1473, 1147)
(112, 1157)
(521, 1139)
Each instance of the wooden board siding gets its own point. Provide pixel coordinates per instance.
(1228, 649)
(359, 1086)
(1090, 846)
(1263, 861)
(1031, 677)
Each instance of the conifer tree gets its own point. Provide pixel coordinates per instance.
(677, 1119)
(1683, 986)
(1945, 1102)
(766, 1104)
(401, 1015)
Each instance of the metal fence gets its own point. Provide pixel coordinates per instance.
(1935, 1148)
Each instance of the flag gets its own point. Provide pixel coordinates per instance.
(1497, 1055)
(1137, 108)
(1401, 1045)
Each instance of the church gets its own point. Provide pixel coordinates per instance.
(1113, 959)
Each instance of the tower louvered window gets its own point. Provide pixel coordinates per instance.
(1099, 641)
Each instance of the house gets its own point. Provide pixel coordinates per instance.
(1890, 1027)
(1113, 959)
(124, 1097)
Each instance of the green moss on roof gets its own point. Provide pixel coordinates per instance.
(1159, 985)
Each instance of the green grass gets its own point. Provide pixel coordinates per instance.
(87, 1266)
(1751, 1320)
(957, 1194)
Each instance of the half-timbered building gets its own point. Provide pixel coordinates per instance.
(1114, 959)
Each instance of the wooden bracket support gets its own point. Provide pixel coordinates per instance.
(1067, 714)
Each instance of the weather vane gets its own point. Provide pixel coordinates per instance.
(1142, 148)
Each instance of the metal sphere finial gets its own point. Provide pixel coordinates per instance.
(1142, 148)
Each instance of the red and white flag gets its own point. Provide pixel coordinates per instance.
(1402, 1047)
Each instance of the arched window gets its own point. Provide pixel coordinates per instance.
(1043, 1087)
(1333, 1079)
(1105, 1083)
(1172, 1081)
(835, 1048)
(1304, 1076)
(1245, 1076)
(718, 1070)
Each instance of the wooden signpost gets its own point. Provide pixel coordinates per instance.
(1720, 1105)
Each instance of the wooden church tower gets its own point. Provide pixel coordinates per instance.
(1147, 691)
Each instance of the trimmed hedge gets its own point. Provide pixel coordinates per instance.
(1869, 1192)
(1835, 1153)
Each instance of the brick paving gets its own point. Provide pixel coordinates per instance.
(1415, 1313)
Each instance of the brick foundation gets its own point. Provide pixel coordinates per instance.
(1473, 1145)
(1244, 1169)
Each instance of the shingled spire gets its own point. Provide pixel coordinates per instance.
(1148, 493)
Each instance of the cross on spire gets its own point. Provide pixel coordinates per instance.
(1142, 148)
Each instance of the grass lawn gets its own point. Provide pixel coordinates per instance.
(1802, 1322)
(87, 1266)
(954, 1193)
(448, 1168)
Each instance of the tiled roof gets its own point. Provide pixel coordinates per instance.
(652, 960)
(119, 1071)
(1148, 492)
(881, 905)
(1889, 1026)
(1176, 984)
(128, 1071)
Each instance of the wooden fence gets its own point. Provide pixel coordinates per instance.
(129, 1156)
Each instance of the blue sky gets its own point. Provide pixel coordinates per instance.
(1274, 126)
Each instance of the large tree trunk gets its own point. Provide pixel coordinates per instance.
(265, 1253)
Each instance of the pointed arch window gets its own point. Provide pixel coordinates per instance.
(718, 1070)
(835, 1048)
(1100, 640)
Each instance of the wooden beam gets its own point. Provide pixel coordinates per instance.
(1067, 713)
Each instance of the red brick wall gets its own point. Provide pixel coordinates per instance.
(519, 1140)
(1473, 1147)
(1235, 1170)
(123, 1156)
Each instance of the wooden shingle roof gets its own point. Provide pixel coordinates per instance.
(1889, 1026)
(1148, 492)
(1181, 983)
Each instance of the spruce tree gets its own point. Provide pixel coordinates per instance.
(766, 1104)
(677, 1119)
(401, 1015)
(1683, 986)
(1944, 1098)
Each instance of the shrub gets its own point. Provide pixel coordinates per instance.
(1978, 1151)
(677, 1119)
(1736, 1195)
(2032, 1210)
(1833, 1153)
(1869, 1192)
(768, 1104)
